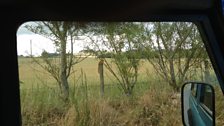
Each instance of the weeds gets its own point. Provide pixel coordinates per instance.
(153, 103)
(152, 106)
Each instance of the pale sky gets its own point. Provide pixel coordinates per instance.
(39, 43)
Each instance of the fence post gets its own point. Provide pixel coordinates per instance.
(100, 71)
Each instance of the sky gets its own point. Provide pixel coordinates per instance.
(27, 39)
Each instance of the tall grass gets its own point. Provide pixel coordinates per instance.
(152, 103)
(150, 106)
(219, 99)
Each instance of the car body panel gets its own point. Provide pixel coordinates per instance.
(199, 113)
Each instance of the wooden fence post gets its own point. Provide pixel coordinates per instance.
(100, 71)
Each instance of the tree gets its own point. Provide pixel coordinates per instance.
(122, 41)
(60, 33)
(177, 47)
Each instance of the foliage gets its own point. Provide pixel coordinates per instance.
(174, 43)
(122, 41)
(49, 55)
(60, 33)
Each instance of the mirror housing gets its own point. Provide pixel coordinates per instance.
(198, 104)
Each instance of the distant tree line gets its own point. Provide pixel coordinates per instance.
(49, 55)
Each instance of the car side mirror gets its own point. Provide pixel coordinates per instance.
(198, 104)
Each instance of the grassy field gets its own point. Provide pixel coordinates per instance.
(153, 101)
(31, 74)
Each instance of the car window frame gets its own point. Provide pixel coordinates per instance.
(15, 13)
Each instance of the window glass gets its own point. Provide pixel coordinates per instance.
(108, 73)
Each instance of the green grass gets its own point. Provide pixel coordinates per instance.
(33, 75)
(152, 102)
(42, 106)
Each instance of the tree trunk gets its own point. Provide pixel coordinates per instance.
(172, 75)
(129, 92)
(64, 81)
(206, 72)
(100, 71)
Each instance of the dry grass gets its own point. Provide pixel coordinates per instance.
(32, 75)
(152, 107)
(153, 104)
(219, 102)
(160, 107)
